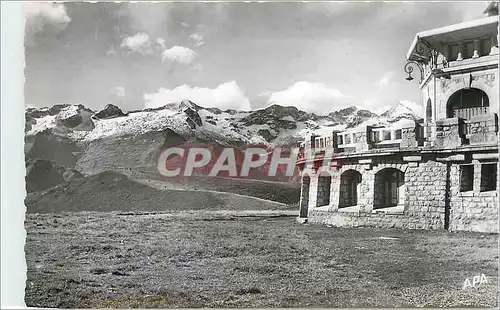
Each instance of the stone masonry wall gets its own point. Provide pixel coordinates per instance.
(424, 198)
(431, 187)
(472, 210)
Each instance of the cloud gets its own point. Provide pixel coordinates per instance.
(161, 42)
(40, 14)
(384, 81)
(198, 39)
(139, 42)
(179, 54)
(118, 91)
(311, 97)
(151, 18)
(225, 96)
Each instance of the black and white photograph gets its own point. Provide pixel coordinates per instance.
(261, 154)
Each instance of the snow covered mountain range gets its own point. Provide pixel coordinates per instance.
(74, 139)
(273, 126)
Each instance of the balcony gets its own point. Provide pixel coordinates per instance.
(455, 132)
(358, 140)
(476, 130)
(469, 113)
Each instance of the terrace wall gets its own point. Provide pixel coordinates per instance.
(431, 199)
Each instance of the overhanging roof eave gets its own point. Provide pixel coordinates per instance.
(449, 29)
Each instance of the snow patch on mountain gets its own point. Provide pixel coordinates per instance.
(42, 124)
(139, 123)
(274, 125)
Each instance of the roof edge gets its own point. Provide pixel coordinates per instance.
(450, 28)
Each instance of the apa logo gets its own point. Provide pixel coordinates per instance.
(477, 281)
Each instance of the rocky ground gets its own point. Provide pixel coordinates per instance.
(248, 259)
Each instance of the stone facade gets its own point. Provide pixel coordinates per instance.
(428, 193)
(441, 175)
(475, 210)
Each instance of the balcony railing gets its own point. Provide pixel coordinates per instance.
(447, 133)
(471, 112)
(367, 138)
(477, 130)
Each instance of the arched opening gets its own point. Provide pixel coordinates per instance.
(323, 192)
(304, 196)
(350, 182)
(428, 111)
(467, 103)
(389, 188)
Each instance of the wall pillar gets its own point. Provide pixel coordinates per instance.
(476, 183)
(313, 189)
(365, 195)
(335, 191)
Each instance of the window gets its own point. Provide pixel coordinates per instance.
(467, 103)
(488, 177)
(386, 135)
(454, 49)
(485, 47)
(349, 183)
(376, 136)
(389, 188)
(468, 49)
(398, 134)
(348, 139)
(466, 178)
(340, 139)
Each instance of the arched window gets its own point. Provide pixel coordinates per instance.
(323, 192)
(467, 103)
(389, 188)
(350, 181)
(428, 111)
(304, 196)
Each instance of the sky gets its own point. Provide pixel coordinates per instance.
(318, 57)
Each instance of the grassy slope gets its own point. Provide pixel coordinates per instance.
(287, 193)
(110, 260)
(110, 191)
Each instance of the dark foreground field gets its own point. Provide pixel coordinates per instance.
(218, 259)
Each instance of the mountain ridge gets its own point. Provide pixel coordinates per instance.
(261, 126)
(74, 136)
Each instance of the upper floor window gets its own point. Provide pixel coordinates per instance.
(485, 48)
(453, 50)
(348, 139)
(386, 135)
(398, 134)
(467, 103)
(340, 139)
(468, 49)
